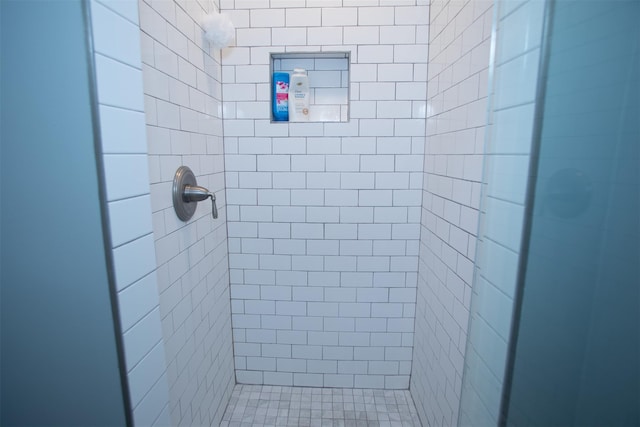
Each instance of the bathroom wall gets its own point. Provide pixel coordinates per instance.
(182, 93)
(324, 218)
(116, 43)
(518, 43)
(459, 51)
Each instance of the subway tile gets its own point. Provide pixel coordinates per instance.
(339, 17)
(324, 35)
(377, 325)
(375, 16)
(133, 261)
(279, 378)
(325, 279)
(142, 338)
(369, 381)
(397, 35)
(253, 37)
(361, 35)
(267, 18)
(110, 33)
(130, 218)
(118, 85)
(360, 279)
(355, 247)
(307, 263)
(137, 300)
(357, 215)
(289, 247)
(340, 231)
(393, 109)
(298, 17)
(295, 36)
(411, 15)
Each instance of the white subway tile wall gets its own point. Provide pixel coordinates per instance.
(459, 50)
(183, 108)
(324, 218)
(117, 57)
(519, 36)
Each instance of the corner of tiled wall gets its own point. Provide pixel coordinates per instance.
(324, 218)
(182, 103)
(121, 115)
(459, 50)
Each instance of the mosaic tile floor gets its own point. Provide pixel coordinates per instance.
(254, 405)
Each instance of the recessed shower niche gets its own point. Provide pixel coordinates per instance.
(328, 74)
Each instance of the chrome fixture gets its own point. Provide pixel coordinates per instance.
(187, 194)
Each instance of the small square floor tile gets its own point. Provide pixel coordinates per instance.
(265, 406)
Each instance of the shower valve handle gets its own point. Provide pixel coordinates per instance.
(186, 194)
(195, 193)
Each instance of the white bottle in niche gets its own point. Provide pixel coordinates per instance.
(299, 96)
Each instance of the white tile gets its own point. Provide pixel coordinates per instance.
(411, 54)
(339, 17)
(323, 180)
(134, 260)
(130, 219)
(375, 16)
(114, 36)
(274, 230)
(142, 338)
(146, 373)
(324, 35)
(395, 72)
(119, 85)
(295, 36)
(152, 23)
(296, 17)
(274, 197)
(377, 92)
(405, 34)
(409, 91)
(361, 35)
(414, 15)
(393, 109)
(338, 380)
(137, 300)
(239, 92)
(126, 8)
(122, 131)
(267, 17)
(146, 413)
(253, 37)
(307, 163)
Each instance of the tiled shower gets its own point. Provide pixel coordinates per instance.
(344, 253)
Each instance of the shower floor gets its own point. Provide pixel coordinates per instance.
(256, 405)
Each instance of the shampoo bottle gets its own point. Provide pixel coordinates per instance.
(280, 97)
(299, 96)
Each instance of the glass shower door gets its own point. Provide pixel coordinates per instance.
(575, 348)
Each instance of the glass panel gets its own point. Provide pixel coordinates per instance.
(577, 354)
